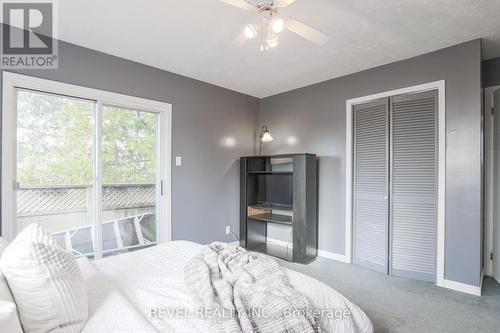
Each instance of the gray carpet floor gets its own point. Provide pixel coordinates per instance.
(402, 305)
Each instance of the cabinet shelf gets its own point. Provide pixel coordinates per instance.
(280, 251)
(271, 173)
(270, 205)
(272, 218)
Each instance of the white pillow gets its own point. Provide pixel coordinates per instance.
(46, 283)
(9, 319)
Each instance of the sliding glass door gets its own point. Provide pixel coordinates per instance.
(129, 177)
(55, 136)
(91, 171)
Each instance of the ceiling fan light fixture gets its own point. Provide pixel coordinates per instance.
(250, 31)
(272, 41)
(278, 25)
(271, 24)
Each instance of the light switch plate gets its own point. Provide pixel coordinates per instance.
(178, 161)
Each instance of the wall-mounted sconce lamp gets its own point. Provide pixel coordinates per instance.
(265, 136)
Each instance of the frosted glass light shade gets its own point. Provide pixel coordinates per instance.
(265, 135)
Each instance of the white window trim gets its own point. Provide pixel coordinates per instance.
(441, 88)
(11, 81)
(489, 177)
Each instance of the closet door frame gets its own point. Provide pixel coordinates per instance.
(440, 87)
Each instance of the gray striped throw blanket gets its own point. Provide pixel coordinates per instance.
(241, 291)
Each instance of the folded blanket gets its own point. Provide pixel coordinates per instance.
(240, 291)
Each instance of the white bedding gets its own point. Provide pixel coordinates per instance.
(123, 289)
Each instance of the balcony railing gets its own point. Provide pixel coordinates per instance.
(67, 212)
(62, 199)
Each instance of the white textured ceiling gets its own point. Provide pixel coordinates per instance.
(193, 37)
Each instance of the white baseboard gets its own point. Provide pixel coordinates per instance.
(454, 285)
(462, 287)
(321, 253)
(333, 256)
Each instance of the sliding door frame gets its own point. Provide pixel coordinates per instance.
(12, 81)
(440, 86)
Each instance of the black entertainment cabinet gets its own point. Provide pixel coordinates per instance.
(279, 189)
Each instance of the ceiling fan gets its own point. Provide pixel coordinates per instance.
(271, 25)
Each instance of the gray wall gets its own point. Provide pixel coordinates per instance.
(312, 119)
(491, 72)
(205, 189)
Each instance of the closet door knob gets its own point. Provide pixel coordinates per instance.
(386, 198)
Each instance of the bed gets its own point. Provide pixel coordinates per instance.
(144, 291)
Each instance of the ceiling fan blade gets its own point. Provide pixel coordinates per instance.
(239, 40)
(284, 3)
(303, 30)
(242, 4)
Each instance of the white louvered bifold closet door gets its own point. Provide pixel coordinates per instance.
(371, 184)
(414, 170)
